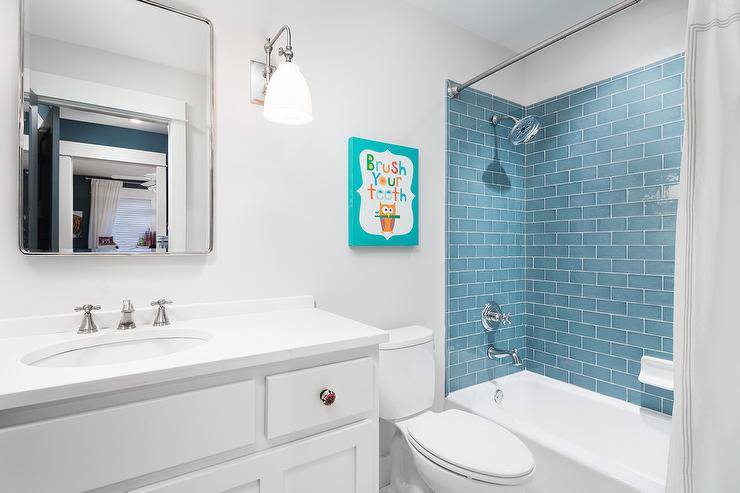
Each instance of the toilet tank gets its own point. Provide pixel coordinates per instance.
(406, 372)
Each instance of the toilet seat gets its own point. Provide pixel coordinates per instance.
(471, 446)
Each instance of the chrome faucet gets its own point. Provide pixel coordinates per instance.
(87, 326)
(494, 353)
(127, 321)
(162, 319)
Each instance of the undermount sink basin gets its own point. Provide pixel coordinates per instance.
(116, 347)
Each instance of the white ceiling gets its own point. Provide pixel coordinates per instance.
(128, 28)
(514, 24)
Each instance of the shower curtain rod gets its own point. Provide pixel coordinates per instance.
(455, 89)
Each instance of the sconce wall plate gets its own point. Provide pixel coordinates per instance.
(257, 82)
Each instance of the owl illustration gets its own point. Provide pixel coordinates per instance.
(387, 215)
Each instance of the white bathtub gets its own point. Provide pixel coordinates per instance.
(582, 441)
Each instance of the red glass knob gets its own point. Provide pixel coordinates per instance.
(328, 397)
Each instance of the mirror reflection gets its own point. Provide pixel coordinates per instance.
(114, 200)
(116, 130)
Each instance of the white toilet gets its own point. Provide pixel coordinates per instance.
(448, 452)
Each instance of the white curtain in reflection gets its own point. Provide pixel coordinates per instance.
(105, 195)
(705, 443)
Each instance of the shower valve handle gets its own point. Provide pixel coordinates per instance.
(492, 316)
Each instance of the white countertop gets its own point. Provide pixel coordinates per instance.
(237, 341)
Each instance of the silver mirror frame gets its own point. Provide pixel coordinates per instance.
(211, 143)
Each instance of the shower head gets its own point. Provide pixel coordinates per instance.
(524, 129)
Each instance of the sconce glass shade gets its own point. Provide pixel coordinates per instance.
(287, 98)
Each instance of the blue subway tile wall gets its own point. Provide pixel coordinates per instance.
(601, 180)
(593, 288)
(485, 236)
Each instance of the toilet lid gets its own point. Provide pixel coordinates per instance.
(472, 443)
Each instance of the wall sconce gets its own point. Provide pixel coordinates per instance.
(283, 91)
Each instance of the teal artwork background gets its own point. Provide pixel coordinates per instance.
(357, 235)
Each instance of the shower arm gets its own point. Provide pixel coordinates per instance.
(455, 89)
(496, 119)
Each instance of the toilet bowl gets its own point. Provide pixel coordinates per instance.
(448, 452)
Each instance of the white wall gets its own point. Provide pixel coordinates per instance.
(647, 32)
(376, 70)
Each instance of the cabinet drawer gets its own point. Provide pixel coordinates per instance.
(294, 399)
(97, 448)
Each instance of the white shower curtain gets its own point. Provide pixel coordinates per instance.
(105, 195)
(705, 443)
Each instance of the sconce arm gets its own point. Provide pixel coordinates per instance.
(288, 45)
(287, 51)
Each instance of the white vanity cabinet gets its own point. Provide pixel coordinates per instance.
(263, 429)
(280, 398)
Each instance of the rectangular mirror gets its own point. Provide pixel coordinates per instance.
(115, 129)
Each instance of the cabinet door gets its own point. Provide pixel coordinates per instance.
(338, 461)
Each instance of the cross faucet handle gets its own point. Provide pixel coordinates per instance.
(87, 308)
(161, 302)
(505, 319)
(161, 319)
(87, 326)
